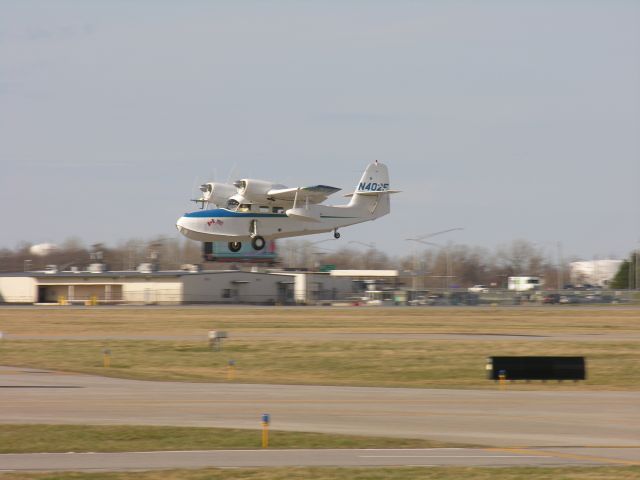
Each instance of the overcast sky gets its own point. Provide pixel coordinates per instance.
(510, 119)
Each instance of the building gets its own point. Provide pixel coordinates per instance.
(594, 272)
(132, 287)
(148, 287)
(320, 287)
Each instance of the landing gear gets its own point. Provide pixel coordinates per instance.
(258, 242)
(336, 235)
(235, 246)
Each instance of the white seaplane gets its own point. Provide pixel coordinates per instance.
(257, 210)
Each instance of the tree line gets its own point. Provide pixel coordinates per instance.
(452, 264)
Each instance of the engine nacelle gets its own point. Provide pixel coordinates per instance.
(255, 190)
(217, 193)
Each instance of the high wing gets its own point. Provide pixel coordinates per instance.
(313, 194)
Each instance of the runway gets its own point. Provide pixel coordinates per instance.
(429, 457)
(536, 419)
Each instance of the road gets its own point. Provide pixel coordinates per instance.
(479, 417)
(330, 457)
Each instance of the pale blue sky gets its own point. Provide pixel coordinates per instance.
(510, 119)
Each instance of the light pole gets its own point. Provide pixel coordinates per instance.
(635, 258)
(422, 239)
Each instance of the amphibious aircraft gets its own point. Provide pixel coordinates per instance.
(257, 210)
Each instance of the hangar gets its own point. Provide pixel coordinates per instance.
(170, 287)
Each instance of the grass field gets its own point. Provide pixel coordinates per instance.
(116, 438)
(308, 359)
(197, 321)
(328, 473)
(422, 364)
(396, 362)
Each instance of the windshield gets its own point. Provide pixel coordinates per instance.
(232, 205)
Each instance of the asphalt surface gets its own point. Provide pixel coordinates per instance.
(429, 457)
(478, 417)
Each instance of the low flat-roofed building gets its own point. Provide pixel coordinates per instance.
(320, 287)
(168, 287)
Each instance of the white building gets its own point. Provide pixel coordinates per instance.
(314, 287)
(172, 287)
(594, 272)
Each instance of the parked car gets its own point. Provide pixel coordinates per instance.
(463, 298)
(570, 299)
(551, 298)
(478, 289)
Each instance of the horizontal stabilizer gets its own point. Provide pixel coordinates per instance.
(371, 194)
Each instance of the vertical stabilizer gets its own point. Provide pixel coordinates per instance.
(372, 191)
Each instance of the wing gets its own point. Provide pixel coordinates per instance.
(315, 194)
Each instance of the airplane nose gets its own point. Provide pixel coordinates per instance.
(180, 224)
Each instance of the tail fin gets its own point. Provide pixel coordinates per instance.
(372, 190)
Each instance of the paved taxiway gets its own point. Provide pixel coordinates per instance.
(562, 418)
(296, 458)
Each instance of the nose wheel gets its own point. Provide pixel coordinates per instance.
(258, 242)
(336, 234)
(235, 246)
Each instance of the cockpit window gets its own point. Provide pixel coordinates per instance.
(278, 210)
(244, 207)
(264, 209)
(232, 205)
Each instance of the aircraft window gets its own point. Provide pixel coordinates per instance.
(244, 207)
(232, 204)
(264, 209)
(278, 210)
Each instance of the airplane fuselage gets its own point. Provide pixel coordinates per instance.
(228, 225)
(262, 211)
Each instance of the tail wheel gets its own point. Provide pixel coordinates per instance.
(258, 243)
(336, 235)
(235, 246)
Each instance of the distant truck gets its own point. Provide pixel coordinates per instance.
(524, 284)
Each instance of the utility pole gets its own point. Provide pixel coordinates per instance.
(560, 266)
(422, 239)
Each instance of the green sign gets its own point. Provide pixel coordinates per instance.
(327, 268)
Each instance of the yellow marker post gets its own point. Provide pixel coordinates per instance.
(265, 430)
(502, 376)
(106, 358)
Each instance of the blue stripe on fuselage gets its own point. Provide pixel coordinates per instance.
(222, 212)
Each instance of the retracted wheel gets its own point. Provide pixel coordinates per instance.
(235, 246)
(258, 242)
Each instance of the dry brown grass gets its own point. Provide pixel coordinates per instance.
(369, 361)
(195, 321)
(332, 473)
(391, 363)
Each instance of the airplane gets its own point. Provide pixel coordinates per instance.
(257, 210)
